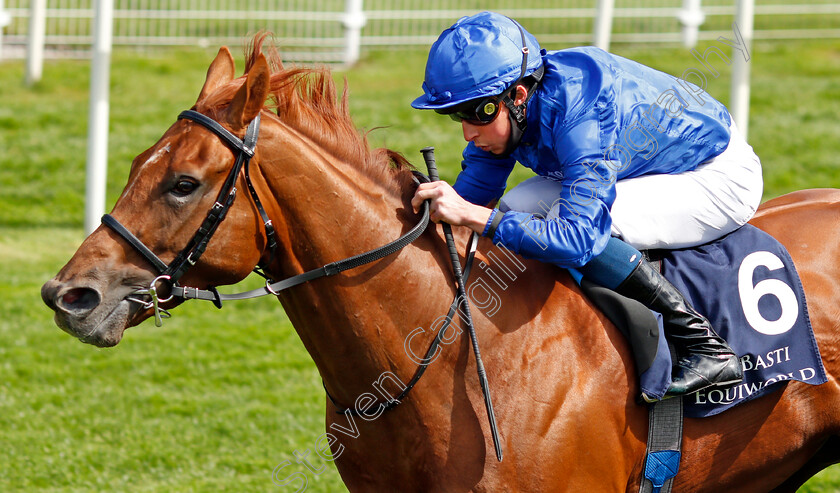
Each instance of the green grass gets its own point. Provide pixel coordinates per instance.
(214, 400)
(211, 401)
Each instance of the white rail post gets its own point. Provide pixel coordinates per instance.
(353, 22)
(35, 41)
(691, 17)
(97, 150)
(5, 19)
(740, 92)
(603, 24)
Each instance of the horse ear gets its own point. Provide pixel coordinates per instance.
(221, 71)
(250, 98)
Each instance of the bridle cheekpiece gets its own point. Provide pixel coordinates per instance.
(188, 257)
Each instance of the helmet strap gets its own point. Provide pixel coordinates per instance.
(518, 124)
(517, 130)
(516, 113)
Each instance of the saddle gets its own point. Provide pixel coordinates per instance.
(748, 287)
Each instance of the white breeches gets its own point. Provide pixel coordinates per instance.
(671, 211)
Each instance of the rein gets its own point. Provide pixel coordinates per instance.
(427, 358)
(195, 247)
(188, 257)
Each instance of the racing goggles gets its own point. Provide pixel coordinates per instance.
(479, 112)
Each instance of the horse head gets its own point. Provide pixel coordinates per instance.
(170, 187)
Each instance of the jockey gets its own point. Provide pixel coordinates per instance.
(626, 158)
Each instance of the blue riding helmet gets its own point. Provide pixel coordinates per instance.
(478, 56)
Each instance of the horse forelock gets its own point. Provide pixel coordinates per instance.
(306, 99)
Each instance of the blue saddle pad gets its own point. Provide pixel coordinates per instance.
(747, 286)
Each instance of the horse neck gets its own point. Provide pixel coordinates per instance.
(353, 324)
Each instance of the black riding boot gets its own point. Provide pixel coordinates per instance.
(705, 360)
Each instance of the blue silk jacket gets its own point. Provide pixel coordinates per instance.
(595, 118)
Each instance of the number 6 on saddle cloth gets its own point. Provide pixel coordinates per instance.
(748, 287)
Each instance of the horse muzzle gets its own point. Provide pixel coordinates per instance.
(83, 312)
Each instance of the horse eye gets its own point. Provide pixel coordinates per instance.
(184, 187)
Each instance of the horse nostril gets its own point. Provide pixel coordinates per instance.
(78, 301)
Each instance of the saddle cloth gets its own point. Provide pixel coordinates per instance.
(747, 286)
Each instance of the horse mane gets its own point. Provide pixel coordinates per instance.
(306, 99)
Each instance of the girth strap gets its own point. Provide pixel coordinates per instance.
(662, 458)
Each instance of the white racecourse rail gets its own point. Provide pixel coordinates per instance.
(319, 32)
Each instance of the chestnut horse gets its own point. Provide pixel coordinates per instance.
(561, 375)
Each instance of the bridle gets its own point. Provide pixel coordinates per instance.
(190, 254)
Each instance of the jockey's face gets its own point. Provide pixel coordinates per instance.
(493, 137)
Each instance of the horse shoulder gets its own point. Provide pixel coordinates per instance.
(562, 374)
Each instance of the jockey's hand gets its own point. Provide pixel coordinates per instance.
(448, 206)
